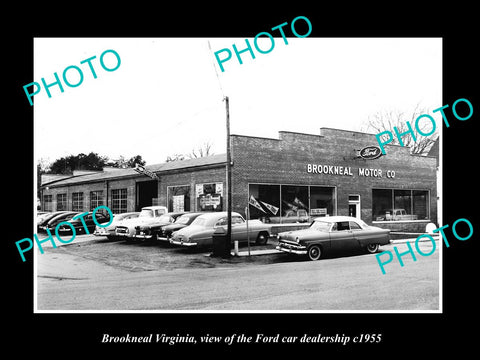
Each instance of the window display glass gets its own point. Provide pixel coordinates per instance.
(272, 203)
(400, 205)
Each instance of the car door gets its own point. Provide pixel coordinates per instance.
(360, 235)
(89, 222)
(341, 237)
(239, 229)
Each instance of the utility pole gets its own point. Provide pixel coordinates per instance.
(228, 237)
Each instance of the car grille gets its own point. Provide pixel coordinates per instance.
(141, 231)
(122, 230)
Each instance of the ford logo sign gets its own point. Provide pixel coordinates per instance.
(370, 152)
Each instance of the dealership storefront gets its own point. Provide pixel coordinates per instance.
(280, 180)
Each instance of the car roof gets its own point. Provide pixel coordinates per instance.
(215, 215)
(190, 214)
(154, 207)
(333, 219)
(176, 213)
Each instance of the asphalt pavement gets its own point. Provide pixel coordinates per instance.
(103, 279)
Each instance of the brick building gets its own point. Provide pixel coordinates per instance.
(289, 177)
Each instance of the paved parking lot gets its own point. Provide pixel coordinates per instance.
(148, 256)
(97, 274)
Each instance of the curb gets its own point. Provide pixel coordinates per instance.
(257, 252)
(403, 241)
(274, 251)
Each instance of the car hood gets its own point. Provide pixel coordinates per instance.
(137, 221)
(302, 234)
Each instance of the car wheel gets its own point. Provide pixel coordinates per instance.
(372, 248)
(314, 252)
(261, 239)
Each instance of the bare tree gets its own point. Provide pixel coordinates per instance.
(386, 121)
(175, 157)
(200, 151)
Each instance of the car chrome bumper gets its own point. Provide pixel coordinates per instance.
(102, 232)
(182, 243)
(292, 249)
(122, 234)
(142, 236)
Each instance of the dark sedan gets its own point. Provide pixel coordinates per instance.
(79, 225)
(54, 221)
(165, 232)
(45, 218)
(333, 233)
(151, 230)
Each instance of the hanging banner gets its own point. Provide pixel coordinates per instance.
(296, 201)
(252, 201)
(273, 209)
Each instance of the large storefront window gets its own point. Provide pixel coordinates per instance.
(322, 201)
(264, 202)
(290, 203)
(209, 197)
(119, 201)
(420, 203)
(294, 201)
(178, 198)
(381, 203)
(398, 205)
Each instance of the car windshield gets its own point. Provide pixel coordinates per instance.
(164, 218)
(146, 213)
(199, 221)
(182, 220)
(320, 226)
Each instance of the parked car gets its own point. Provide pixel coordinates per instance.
(200, 232)
(57, 219)
(181, 222)
(118, 219)
(150, 230)
(333, 233)
(291, 216)
(87, 222)
(127, 229)
(44, 218)
(399, 214)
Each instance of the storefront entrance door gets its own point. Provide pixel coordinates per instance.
(354, 206)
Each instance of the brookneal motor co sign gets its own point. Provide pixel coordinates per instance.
(347, 171)
(370, 152)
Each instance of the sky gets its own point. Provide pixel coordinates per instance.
(166, 97)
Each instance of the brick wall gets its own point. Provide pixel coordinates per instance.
(284, 161)
(174, 178)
